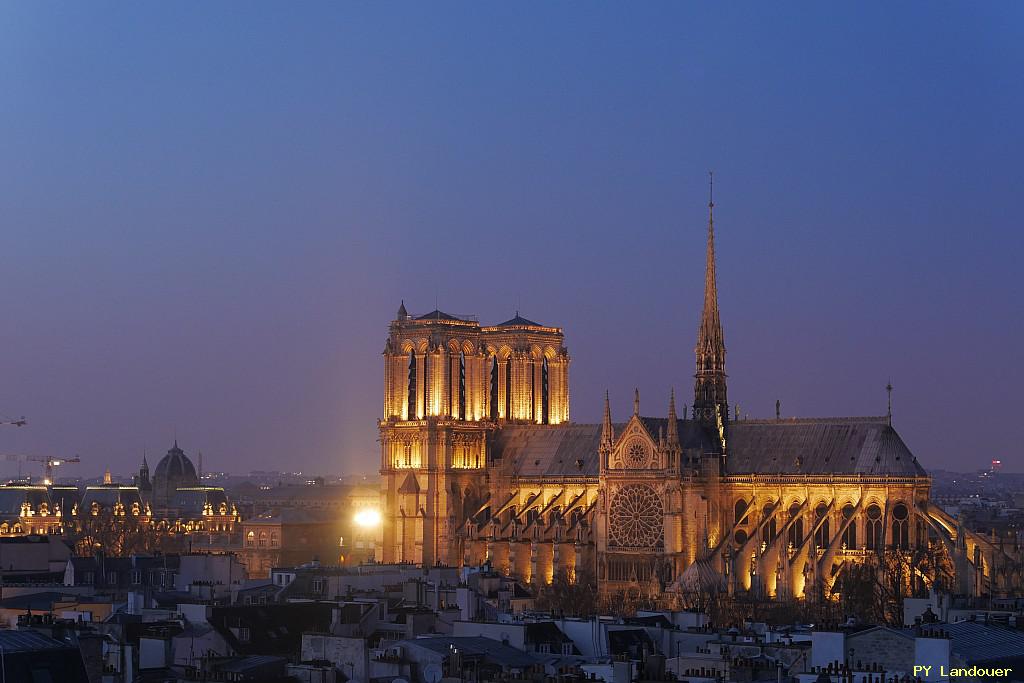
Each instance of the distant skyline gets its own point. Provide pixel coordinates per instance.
(211, 213)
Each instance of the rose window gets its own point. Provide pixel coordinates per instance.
(635, 517)
(636, 454)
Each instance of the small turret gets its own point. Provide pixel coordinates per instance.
(673, 421)
(607, 431)
(142, 480)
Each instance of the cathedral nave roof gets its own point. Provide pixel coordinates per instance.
(829, 446)
(867, 446)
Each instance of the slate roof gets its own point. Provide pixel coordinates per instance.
(38, 601)
(868, 446)
(251, 664)
(977, 642)
(490, 650)
(630, 642)
(66, 497)
(194, 498)
(518, 320)
(29, 641)
(650, 620)
(864, 446)
(548, 450)
(12, 498)
(547, 632)
(273, 629)
(108, 495)
(440, 315)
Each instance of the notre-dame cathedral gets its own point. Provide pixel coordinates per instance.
(480, 462)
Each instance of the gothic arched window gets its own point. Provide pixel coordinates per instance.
(796, 527)
(771, 528)
(874, 528)
(901, 527)
(508, 389)
(822, 537)
(545, 396)
(850, 535)
(462, 387)
(740, 508)
(494, 388)
(412, 385)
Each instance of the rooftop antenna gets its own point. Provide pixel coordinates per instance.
(888, 390)
(778, 409)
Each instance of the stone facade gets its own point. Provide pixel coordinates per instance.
(479, 462)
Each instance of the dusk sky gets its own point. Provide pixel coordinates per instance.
(209, 213)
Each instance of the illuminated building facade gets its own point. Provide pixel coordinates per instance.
(480, 462)
(448, 382)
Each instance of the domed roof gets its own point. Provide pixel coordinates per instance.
(176, 465)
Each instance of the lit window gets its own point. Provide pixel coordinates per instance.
(850, 535)
(901, 527)
(874, 528)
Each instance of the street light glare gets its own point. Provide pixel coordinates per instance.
(367, 518)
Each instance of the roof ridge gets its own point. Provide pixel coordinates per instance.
(813, 420)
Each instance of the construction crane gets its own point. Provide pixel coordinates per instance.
(19, 422)
(48, 463)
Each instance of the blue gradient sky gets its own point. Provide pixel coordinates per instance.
(209, 213)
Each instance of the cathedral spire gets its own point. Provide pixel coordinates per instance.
(710, 337)
(709, 389)
(607, 432)
(673, 421)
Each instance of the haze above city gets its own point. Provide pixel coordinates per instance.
(208, 225)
